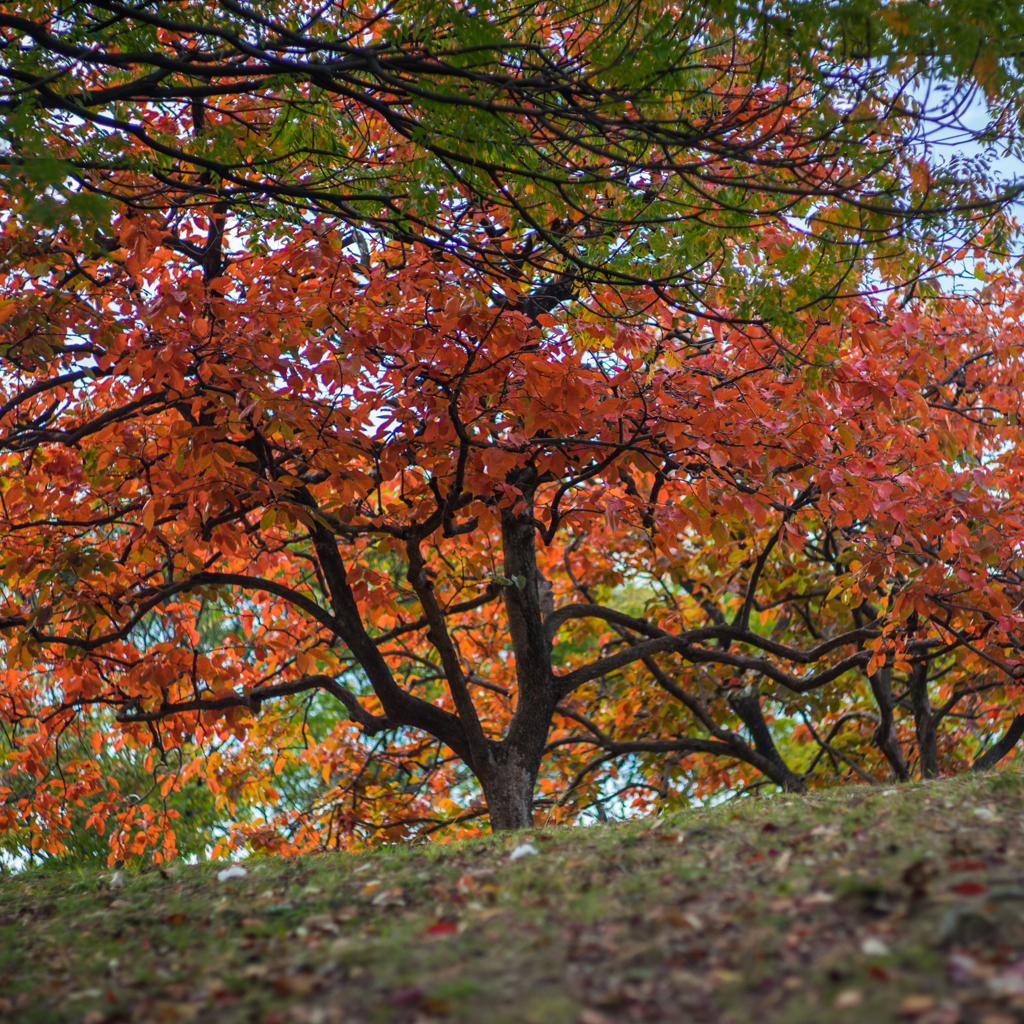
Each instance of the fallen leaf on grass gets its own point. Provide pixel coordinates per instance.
(685, 920)
(726, 977)
(961, 967)
(481, 873)
(389, 898)
(439, 928)
(818, 897)
(848, 998)
(970, 888)
(436, 1006)
(321, 923)
(294, 984)
(915, 1005)
(873, 946)
(86, 993)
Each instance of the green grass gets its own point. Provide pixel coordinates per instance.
(856, 905)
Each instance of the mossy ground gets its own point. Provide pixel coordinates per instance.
(856, 905)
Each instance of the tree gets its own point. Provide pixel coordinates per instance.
(530, 520)
(426, 507)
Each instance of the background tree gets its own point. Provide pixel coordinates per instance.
(553, 145)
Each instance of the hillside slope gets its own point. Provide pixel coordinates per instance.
(859, 905)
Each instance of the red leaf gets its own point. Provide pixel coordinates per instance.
(442, 928)
(970, 889)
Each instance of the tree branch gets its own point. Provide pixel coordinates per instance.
(253, 700)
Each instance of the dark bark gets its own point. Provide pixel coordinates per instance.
(507, 769)
(750, 714)
(509, 778)
(924, 722)
(885, 735)
(1001, 747)
(509, 784)
(401, 707)
(445, 647)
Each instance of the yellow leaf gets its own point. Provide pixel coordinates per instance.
(919, 176)
(897, 20)
(986, 72)
(268, 519)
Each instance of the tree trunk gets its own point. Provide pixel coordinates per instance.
(509, 777)
(1002, 747)
(508, 788)
(885, 735)
(927, 744)
(749, 711)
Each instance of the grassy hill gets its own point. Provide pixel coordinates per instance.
(857, 905)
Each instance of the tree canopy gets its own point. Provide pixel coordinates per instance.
(626, 142)
(592, 423)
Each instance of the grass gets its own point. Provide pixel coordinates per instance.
(855, 905)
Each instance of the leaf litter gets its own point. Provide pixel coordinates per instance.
(849, 906)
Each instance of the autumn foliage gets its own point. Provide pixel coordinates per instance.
(371, 541)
